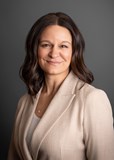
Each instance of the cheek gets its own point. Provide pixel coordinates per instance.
(68, 56)
(39, 53)
(42, 53)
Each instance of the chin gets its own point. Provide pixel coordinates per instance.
(52, 73)
(57, 72)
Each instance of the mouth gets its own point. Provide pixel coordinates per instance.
(53, 62)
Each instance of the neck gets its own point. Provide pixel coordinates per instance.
(52, 83)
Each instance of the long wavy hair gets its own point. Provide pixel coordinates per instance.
(31, 73)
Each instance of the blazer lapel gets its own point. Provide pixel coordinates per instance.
(55, 110)
(27, 115)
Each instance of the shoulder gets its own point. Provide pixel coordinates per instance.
(96, 95)
(84, 89)
(96, 103)
(25, 98)
(93, 99)
(89, 92)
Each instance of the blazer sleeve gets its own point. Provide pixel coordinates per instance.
(98, 127)
(12, 152)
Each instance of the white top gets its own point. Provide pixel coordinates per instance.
(32, 127)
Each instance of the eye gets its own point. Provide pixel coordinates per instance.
(45, 45)
(63, 46)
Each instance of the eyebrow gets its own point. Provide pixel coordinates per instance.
(51, 42)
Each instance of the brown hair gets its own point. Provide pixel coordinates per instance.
(30, 71)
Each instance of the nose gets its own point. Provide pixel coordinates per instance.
(54, 52)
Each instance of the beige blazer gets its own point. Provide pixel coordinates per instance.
(78, 125)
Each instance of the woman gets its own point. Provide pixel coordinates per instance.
(62, 117)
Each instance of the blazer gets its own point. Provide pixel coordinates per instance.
(77, 125)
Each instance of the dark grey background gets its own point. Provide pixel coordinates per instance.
(96, 22)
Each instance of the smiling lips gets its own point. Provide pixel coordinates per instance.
(53, 62)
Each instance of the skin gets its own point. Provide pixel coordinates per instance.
(54, 57)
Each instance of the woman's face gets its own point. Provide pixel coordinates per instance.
(55, 50)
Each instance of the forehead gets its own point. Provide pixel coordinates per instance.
(56, 32)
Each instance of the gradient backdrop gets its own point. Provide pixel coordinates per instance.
(95, 20)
